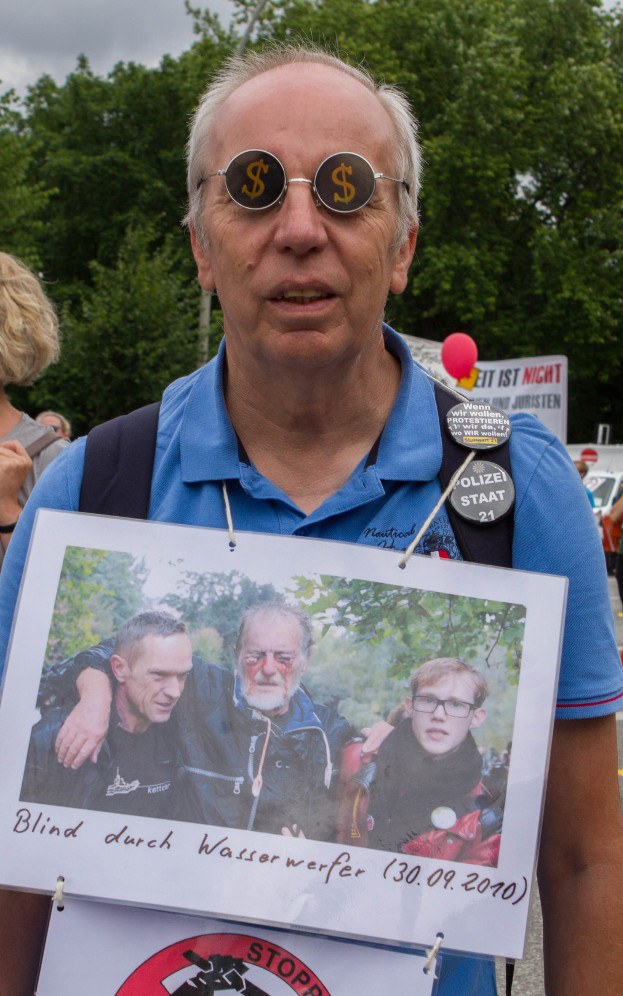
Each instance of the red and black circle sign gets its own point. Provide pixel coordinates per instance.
(223, 963)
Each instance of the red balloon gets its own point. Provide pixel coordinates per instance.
(459, 354)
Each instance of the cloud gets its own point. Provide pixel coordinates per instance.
(47, 36)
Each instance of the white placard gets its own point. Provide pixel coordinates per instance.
(509, 620)
(115, 951)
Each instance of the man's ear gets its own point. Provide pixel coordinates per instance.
(478, 717)
(119, 667)
(402, 262)
(407, 705)
(203, 260)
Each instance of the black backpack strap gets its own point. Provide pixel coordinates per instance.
(490, 543)
(118, 464)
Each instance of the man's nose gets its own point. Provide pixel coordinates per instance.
(173, 688)
(269, 663)
(439, 712)
(300, 225)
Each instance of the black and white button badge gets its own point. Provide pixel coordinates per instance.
(483, 493)
(478, 426)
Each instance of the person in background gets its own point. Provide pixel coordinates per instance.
(582, 469)
(56, 421)
(616, 517)
(29, 342)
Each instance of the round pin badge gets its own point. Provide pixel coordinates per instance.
(443, 817)
(478, 426)
(484, 493)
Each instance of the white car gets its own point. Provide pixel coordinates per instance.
(605, 487)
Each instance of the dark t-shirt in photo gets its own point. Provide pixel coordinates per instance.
(139, 784)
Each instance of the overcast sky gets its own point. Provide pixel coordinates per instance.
(47, 36)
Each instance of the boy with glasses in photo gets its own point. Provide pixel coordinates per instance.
(428, 797)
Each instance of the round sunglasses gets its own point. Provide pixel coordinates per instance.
(343, 183)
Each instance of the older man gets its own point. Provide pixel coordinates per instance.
(137, 767)
(257, 752)
(303, 179)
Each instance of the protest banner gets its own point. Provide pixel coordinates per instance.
(537, 384)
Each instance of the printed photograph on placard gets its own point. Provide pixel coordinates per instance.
(292, 732)
(331, 708)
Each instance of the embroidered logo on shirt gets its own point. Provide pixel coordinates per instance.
(121, 787)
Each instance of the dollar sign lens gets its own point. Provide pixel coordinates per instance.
(253, 172)
(255, 179)
(338, 176)
(345, 182)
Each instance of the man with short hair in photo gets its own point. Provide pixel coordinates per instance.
(138, 766)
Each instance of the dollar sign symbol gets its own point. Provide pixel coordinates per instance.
(339, 178)
(253, 172)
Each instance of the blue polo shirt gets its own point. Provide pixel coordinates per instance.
(383, 503)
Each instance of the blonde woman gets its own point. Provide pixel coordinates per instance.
(29, 342)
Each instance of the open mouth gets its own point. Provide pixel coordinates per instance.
(303, 297)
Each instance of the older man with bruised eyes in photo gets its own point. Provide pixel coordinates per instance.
(303, 177)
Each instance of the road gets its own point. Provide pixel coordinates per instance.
(528, 979)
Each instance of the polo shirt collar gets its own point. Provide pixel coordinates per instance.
(208, 442)
(209, 449)
(410, 444)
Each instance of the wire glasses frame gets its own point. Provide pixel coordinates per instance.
(343, 183)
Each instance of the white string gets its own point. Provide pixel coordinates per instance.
(58, 893)
(432, 954)
(228, 516)
(403, 560)
(408, 552)
(448, 387)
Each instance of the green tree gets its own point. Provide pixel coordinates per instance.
(416, 625)
(132, 333)
(109, 153)
(121, 595)
(97, 591)
(72, 629)
(20, 200)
